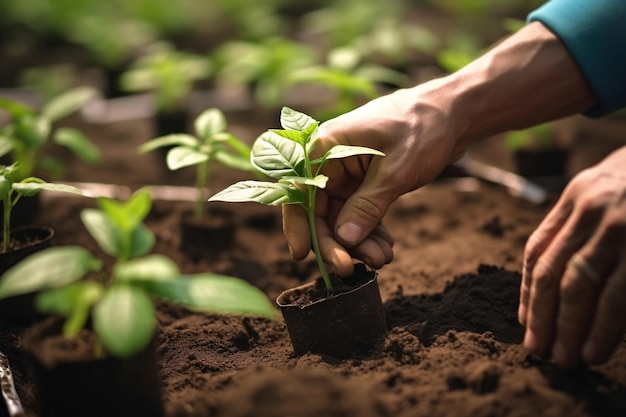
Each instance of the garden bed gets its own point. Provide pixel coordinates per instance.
(450, 298)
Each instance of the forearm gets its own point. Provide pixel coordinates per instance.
(526, 79)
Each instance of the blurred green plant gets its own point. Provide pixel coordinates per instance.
(120, 302)
(28, 131)
(12, 189)
(167, 73)
(539, 137)
(262, 66)
(352, 80)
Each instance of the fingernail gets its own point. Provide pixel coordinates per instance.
(349, 233)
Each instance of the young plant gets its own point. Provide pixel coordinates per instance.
(351, 79)
(28, 131)
(286, 155)
(72, 282)
(167, 73)
(12, 189)
(212, 142)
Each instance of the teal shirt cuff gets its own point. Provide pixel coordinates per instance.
(594, 32)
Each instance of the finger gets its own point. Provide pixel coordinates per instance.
(578, 297)
(610, 320)
(543, 295)
(536, 245)
(609, 323)
(296, 230)
(374, 252)
(581, 286)
(364, 210)
(333, 254)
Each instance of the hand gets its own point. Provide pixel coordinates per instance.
(573, 292)
(414, 128)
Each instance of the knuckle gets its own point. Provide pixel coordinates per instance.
(575, 291)
(544, 276)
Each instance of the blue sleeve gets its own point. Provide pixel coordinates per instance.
(594, 32)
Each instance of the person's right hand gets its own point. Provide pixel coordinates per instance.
(415, 129)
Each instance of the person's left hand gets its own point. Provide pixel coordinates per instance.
(573, 291)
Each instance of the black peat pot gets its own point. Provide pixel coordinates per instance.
(345, 322)
(70, 381)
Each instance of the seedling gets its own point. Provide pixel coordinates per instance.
(351, 79)
(212, 142)
(169, 74)
(23, 139)
(12, 190)
(72, 282)
(286, 155)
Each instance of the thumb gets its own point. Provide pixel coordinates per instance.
(361, 213)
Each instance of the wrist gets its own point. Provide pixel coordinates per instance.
(527, 79)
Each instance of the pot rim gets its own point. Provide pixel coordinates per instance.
(284, 293)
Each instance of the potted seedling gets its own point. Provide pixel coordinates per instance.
(537, 153)
(21, 242)
(23, 140)
(107, 361)
(330, 316)
(169, 75)
(204, 233)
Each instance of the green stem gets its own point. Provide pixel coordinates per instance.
(6, 227)
(201, 179)
(314, 240)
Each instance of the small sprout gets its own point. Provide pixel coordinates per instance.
(212, 142)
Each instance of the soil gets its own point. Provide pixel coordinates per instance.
(450, 298)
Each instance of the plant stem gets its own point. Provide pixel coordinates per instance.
(201, 178)
(6, 227)
(314, 240)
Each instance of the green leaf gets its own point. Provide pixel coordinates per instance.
(30, 189)
(277, 157)
(178, 139)
(78, 143)
(239, 146)
(141, 241)
(6, 145)
(73, 301)
(233, 161)
(209, 123)
(344, 151)
(181, 157)
(128, 214)
(319, 181)
(109, 236)
(102, 230)
(269, 193)
(67, 103)
(125, 320)
(214, 293)
(148, 268)
(15, 108)
(49, 268)
(293, 120)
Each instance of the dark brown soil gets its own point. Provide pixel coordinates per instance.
(450, 298)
